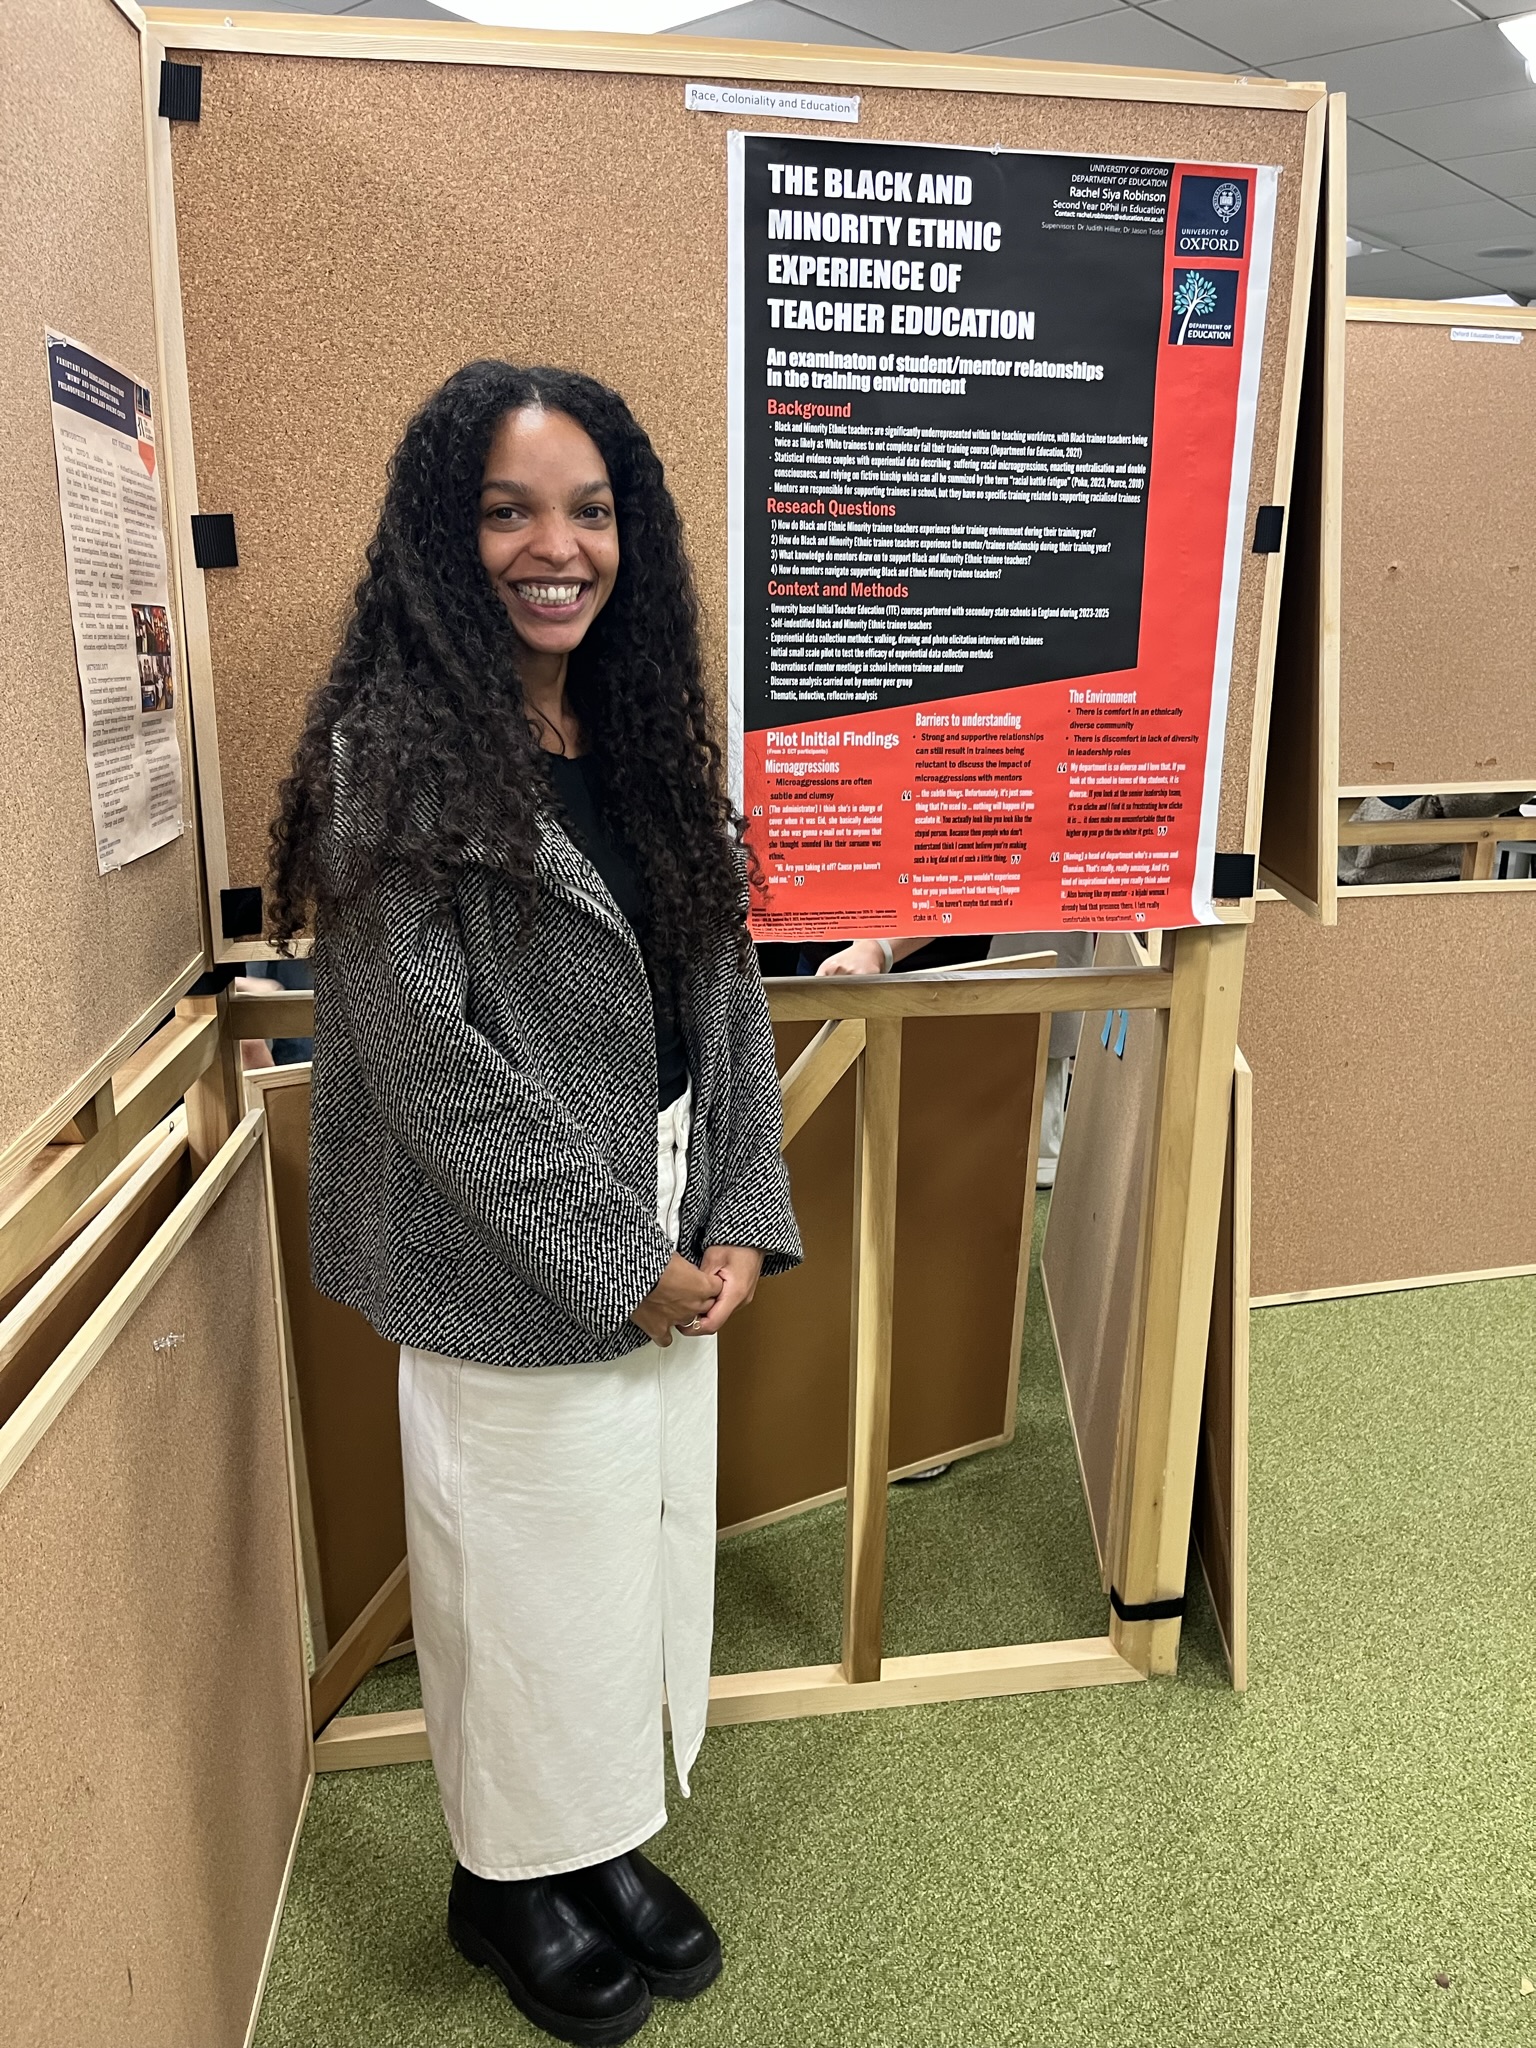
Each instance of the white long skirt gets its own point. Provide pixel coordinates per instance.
(561, 1527)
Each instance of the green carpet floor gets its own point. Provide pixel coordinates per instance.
(1154, 1866)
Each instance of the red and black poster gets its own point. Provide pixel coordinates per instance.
(991, 428)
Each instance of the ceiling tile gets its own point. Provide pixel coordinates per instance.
(1466, 127)
(1425, 71)
(773, 21)
(1397, 275)
(1368, 151)
(1129, 36)
(409, 10)
(962, 25)
(1485, 221)
(1406, 186)
(1496, 273)
(1509, 171)
(1272, 31)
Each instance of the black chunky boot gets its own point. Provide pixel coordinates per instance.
(664, 1934)
(559, 1967)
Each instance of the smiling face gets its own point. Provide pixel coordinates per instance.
(548, 537)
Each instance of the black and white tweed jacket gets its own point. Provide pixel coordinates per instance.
(482, 1150)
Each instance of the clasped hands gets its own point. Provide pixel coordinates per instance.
(699, 1300)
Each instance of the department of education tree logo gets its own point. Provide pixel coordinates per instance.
(1204, 308)
(1195, 295)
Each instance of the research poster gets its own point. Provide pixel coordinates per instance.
(119, 599)
(991, 429)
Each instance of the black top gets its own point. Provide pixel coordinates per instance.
(578, 785)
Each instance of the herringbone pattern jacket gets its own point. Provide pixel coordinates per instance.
(483, 1138)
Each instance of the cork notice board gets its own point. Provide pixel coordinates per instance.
(1394, 1120)
(352, 230)
(1439, 549)
(1093, 1279)
(93, 961)
(154, 1753)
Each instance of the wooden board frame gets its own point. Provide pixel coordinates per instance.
(351, 1512)
(38, 1204)
(435, 42)
(1439, 313)
(467, 44)
(1430, 786)
(104, 919)
(75, 1282)
(1349, 1292)
(1513, 886)
(969, 1116)
(1478, 837)
(1099, 1204)
(104, 1192)
(46, 1128)
(1094, 1271)
(316, 1639)
(1221, 1483)
(1198, 985)
(346, 1645)
(1298, 853)
(1410, 313)
(49, 1402)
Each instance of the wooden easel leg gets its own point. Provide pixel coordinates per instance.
(1180, 1268)
(213, 1100)
(357, 1651)
(869, 1413)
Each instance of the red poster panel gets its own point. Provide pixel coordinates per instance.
(992, 423)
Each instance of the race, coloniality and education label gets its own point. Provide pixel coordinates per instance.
(787, 106)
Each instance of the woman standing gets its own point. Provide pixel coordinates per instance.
(507, 815)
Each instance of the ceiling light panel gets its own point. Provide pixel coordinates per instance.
(1521, 31)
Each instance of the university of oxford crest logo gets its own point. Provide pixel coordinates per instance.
(1212, 218)
(1227, 201)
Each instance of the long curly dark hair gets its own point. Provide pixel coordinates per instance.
(424, 691)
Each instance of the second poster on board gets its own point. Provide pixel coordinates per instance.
(992, 420)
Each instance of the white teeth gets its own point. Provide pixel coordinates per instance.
(549, 593)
